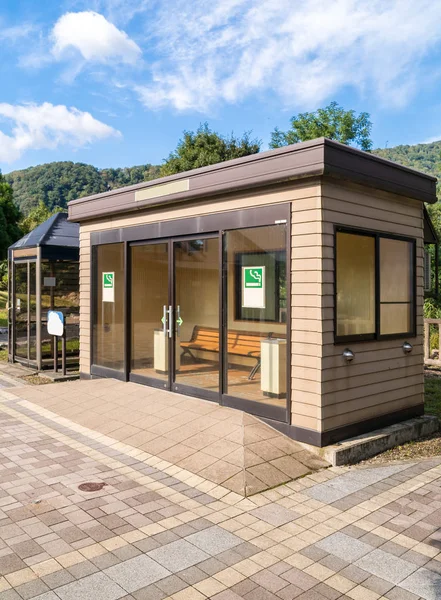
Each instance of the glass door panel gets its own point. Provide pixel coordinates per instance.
(21, 311)
(32, 312)
(256, 337)
(196, 285)
(149, 311)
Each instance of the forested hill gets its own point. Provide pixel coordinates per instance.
(57, 183)
(424, 157)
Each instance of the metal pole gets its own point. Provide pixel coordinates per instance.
(436, 270)
(55, 354)
(63, 352)
(52, 304)
(38, 309)
(11, 309)
(28, 296)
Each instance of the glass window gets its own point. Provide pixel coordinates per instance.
(257, 329)
(108, 323)
(21, 310)
(395, 286)
(355, 284)
(60, 291)
(357, 301)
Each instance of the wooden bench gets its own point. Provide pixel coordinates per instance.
(239, 343)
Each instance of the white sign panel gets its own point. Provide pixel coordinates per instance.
(109, 286)
(49, 282)
(55, 323)
(253, 287)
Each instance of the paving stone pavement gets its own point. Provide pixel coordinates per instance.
(156, 532)
(228, 447)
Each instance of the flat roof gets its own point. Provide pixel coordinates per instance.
(315, 158)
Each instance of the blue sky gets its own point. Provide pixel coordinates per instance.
(115, 82)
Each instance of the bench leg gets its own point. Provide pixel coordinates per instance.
(254, 370)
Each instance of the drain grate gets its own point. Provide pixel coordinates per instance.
(92, 486)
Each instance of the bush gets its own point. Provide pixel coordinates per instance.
(432, 310)
(3, 275)
(434, 340)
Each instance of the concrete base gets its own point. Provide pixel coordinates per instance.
(365, 446)
(55, 377)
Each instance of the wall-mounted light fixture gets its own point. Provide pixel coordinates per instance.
(407, 348)
(348, 355)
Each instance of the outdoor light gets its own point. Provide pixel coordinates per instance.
(348, 355)
(407, 348)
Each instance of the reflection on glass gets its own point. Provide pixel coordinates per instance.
(32, 313)
(108, 328)
(355, 284)
(60, 291)
(395, 286)
(257, 328)
(21, 310)
(197, 313)
(149, 339)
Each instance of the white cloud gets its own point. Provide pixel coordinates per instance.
(16, 33)
(94, 38)
(304, 52)
(435, 138)
(46, 126)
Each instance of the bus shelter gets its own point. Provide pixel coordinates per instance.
(44, 276)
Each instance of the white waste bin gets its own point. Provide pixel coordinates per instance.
(273, 367)
(160, 359)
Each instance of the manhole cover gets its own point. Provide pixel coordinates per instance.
(91, 486)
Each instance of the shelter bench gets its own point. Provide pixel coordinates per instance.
(239, 343)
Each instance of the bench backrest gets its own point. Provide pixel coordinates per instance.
(205, 335)
(235, 338)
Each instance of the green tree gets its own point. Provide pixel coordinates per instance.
(38, 215)
(333, 122)
(206, 147)
(9, 218)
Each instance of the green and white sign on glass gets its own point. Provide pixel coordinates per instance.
(253, 287)
(109, 286)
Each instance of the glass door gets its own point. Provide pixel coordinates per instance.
(174, 314)
(196, 317)
(150, 314)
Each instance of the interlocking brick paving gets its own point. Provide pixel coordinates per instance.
(225, 446)
(157, 531)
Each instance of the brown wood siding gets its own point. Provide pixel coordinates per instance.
(306, 312)
(85, 257)
(381, 379)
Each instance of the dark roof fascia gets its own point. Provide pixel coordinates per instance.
(290, 163)
(60, 253)
(430, 236)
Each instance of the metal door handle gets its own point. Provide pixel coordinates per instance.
(164, 320)
(178, 319)
(170, 321)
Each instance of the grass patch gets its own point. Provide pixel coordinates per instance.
(3, 309)
(3, 355)
(432, 390)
